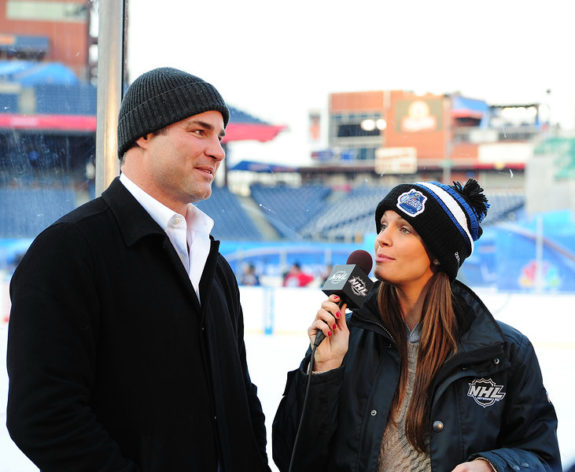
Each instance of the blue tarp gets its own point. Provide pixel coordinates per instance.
(240, 116)
(34, 73)
(459, 103)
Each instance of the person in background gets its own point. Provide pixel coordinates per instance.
(249, 276)
(125, 348)
(421, 377)
(326, 273)
(296, 277)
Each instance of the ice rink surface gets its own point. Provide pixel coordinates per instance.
(548, 321)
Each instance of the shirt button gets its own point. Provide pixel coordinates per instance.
(437, 426)
(496, 361)
(373, 412)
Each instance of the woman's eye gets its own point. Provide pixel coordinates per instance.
(405, 229)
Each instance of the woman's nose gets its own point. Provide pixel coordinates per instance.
(383, 237)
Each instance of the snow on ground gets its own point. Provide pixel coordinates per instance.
(547, 320)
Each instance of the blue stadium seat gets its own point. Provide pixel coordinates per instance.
(65, 99)
(231, 221)
(353, 213)
(349, 215)
(289, 209)
(9, 103)
(26, 212)
(505, 207)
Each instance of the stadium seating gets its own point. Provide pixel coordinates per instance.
(52, 99)
(9, 103)
(353, 214)
(231, 220)
(309, 212)
(24, 213)
(349, 215)
(289, 209)
(505, 207)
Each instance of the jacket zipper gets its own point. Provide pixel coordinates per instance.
(378, 325)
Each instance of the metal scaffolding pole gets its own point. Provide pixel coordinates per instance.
(109, 95)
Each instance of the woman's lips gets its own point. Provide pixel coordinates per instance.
(383, 258)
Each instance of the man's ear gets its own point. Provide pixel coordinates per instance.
(144, 141)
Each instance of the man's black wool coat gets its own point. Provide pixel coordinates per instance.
(113, 363)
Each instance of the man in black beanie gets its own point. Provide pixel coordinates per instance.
(125, 349)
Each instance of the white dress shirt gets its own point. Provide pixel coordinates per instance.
(189, 234)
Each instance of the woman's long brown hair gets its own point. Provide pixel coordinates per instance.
(438, 341)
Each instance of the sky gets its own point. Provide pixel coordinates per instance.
(279, 60)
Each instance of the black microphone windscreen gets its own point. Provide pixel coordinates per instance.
(350, 282)
(362, 259)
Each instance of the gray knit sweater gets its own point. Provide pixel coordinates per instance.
(396, 452)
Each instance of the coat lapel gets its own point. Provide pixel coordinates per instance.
(135, 224)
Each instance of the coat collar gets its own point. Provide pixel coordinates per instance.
(133, 220)
(477, 327)
(135, 223)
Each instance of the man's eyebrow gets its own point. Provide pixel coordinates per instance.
(206, 125)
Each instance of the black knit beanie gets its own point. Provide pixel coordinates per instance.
(161, 97)
(446, 217)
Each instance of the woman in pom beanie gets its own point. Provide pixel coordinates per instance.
(421, 377)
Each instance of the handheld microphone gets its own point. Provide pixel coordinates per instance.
(350, 282)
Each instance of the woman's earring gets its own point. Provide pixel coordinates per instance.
(435, 262)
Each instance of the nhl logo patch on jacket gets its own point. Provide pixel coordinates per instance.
(485, 392)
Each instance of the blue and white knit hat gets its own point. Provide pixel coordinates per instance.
(446, 217)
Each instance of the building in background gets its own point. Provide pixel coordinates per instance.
(48, 31)
(443, 137)
(48, 96)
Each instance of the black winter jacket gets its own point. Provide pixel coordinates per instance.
(488, 400)
(113, 363)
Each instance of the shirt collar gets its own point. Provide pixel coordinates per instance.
(198, 221)
(414, 335)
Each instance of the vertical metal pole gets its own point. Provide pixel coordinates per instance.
(109, 94)
(539, 282)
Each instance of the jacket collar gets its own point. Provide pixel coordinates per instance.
(367, 316)
(135, 223)
(133, 220)
(478, 329)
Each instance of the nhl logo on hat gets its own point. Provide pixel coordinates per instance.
(412, 202)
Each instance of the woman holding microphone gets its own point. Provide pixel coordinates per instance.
(421, 377)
